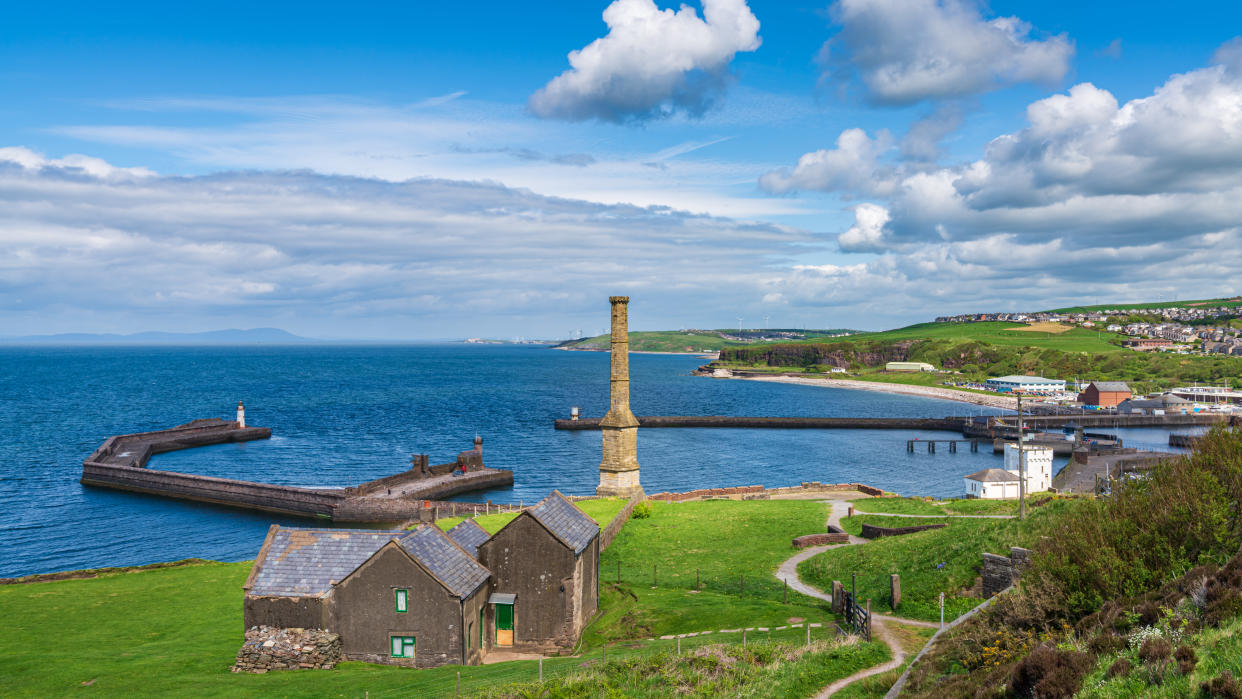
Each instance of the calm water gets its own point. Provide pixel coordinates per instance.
(343, 415)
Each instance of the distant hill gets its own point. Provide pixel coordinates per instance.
(695, 341)
(255, 336)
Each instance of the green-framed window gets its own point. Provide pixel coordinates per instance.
(402, 646)
(402, 600)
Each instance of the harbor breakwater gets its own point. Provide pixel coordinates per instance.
(121, 463)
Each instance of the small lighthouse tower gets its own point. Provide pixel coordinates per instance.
(241, 415)
(618, 471)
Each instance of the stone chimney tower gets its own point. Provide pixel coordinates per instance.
(618, 471)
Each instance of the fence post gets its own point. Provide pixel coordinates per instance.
(679, 645)
(655, 580)
(894, 584)
(786, 591)
(942, 610)
(808, 633)
(743, 638)
(868, 618)
(696, 578)
(605, 653)
(743, 579)
(540, 670)
(459, 683)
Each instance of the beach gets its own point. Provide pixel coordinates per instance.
(990, 401)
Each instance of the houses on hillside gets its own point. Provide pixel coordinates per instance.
(424, 598)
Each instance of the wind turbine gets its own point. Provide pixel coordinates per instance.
(739, 325)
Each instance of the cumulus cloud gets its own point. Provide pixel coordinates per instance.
(867, 233)
(652, 63)
(337, 255)
(906, 51)
(853, 166)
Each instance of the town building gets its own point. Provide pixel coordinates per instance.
(1024, 384)
(1105, 394)
(1208, 394)
(425, 598)
(1163, 404)
(1146, 343)
(908, 366)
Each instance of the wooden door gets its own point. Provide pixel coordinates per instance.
(504, 624)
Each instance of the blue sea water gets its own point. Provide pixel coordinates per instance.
(341, 415)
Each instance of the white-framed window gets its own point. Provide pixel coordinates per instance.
(402, 600)
(402, 646)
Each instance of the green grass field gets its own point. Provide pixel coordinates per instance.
(175, 631)
(999, 333)
(952, 506)
(918, 558)
(602, 510)
(680, 341)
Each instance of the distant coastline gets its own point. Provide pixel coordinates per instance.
(1004, 402)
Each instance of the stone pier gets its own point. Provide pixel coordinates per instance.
(618, 471)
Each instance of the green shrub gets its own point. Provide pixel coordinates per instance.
(641, 511)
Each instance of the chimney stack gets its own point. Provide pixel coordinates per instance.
(618, 471)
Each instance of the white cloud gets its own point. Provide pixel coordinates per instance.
(336, 255)
(853, 166)
(906, 51)
(867, 233)
(70, 163)
(652, 63)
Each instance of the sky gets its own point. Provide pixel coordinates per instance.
(419, 171)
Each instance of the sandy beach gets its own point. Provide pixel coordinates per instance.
(906, 389)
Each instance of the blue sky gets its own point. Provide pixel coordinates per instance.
(421, 171)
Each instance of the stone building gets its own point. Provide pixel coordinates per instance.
(1105, 394)
(407, 598)
(545, 566)
(425, 598)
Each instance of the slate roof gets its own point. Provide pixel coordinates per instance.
(307, 562)
(565, 521)
(453, 566)
(1111, 386)
(993, 475)
(468, 535)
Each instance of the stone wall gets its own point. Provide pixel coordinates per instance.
(268, 648)
(759, 492)
(1000, 572)
(870, 531)
(821, 539)
(608, 533)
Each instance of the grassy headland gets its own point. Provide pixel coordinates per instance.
(695, 341)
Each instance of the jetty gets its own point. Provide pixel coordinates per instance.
(969, 426)
(121, 463)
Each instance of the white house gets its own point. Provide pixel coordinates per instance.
(992, 484)
(1000, 484)
(1024, 384)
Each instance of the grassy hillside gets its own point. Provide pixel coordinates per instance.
(1001, 334)
(697, 340)
(175, 631)
(1230, 301)
(1138, 594)
(981, 350)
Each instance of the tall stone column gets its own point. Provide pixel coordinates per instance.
(618, 471)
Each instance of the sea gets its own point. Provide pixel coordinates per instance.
(341, 415)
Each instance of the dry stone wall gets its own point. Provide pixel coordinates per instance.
(268, 648)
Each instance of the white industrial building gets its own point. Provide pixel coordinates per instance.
(1024, 384)
(1000, 484)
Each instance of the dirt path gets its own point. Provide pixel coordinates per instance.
(788, 572)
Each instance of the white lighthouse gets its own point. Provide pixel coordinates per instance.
(241, 415)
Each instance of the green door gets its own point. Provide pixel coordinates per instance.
(480, 627)
(504, 624)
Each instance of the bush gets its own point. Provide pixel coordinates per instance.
(1106, 644)
(641, 511)
(1049, 673)
(1119, 668)
(1224, 686)
(1155, 650)
(1186, 659)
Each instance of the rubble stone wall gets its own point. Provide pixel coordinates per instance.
(268, 648)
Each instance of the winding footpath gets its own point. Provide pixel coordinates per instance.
(788, 571)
